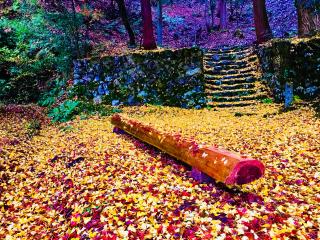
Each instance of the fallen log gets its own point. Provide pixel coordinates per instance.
(221, 165)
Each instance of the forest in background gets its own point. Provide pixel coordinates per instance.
(40, 39)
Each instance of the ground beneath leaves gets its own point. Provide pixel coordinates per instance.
(81, 180)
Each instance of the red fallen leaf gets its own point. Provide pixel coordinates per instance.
(189, 234)
(72, 224)
(241, 211)
(92, 223)
(159, 230)
(185, 193)
(249, 235)
(150, 187)
(69, 183)
(107, 156)
(171, 229)
(276, 154)
(87, 197)
(255, 224)
(195, 148)
(127, 190)
(209, 236)
(138, 235)
(264, 236)
(108, 237)
(275, 218)
(66, 237)
(96, 214)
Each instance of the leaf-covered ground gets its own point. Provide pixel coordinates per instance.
(82, 181)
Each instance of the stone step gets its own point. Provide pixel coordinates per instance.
(233, 104)
(227, 75)
(256, 96)
(249, 59)
(216, 69)
(229, 72)
(231, 81)
(223, 87)
(231, 75)
(231, 92)
(225, 50)
(221, 72)
(230, 56)
(227, 62)
(228, 67)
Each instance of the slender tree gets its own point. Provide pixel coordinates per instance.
(160, 24)
(148, 36)
(218, 8)
(261, 21)
(212, 11)
(206, 15)
(223, 14)
(126, 23)
(308, 17)
(75, 29)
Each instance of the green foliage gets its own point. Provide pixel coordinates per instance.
(65, 111)
(209, 107)
(56, 91)
(296, 99)
(36, 46)
(267, 101)
(68, 109)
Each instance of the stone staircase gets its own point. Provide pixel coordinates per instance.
(232, 77)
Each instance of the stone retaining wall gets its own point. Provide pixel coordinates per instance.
(167, 77)
(292, 60)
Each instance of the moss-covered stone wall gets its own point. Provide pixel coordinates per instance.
(167, 77)
(292, 60)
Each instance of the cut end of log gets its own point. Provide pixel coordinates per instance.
(245, 171)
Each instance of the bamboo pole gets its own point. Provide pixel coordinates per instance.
(221, 165)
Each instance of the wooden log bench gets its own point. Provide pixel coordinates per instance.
(219, 164)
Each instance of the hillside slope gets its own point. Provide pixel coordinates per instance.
(185, 26)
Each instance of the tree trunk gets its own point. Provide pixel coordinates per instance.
(219, 164)
(148, 37)
(308, 21)
(206, 15)
(75, 30)
(160, 24)
(87, 20)
(218, 5)
(261, 21)
(232, 11)
(126, 23)
(223, 14)
(212, 11)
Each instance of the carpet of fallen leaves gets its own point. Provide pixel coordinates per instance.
(80, 180)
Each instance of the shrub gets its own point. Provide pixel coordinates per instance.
(65, 111)
(68, 109)
(36, 46)
(267, 101)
